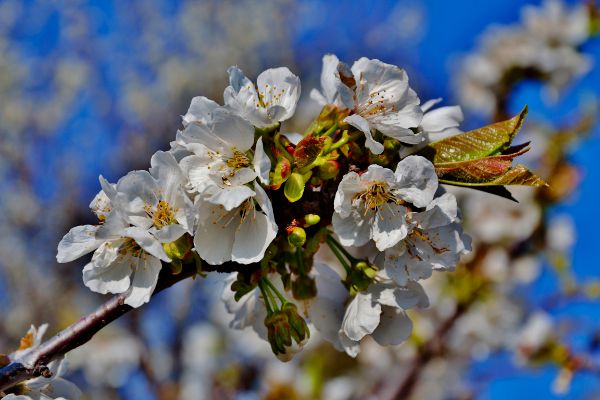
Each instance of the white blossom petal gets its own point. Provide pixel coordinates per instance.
(214, 236)
(389, 226)
(417, 180)
(281, 88)
(79, 241)
(354, 230)
(200, 110)
(144, 281)
(169, 233)
(442, 118)
(351, 347)
(262, 163)
(362, 125)
(362, 316)
(108, 272)
(231, 197)
(394, 328)
(147, 242)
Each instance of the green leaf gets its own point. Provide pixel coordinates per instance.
(486, 141)
(518, 175)
(479, 170)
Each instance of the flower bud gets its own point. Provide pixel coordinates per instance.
(287, 331)
(391, 144)
(329, 169)
(297, 236)
(278, 332)
(311, 219)
(299, 330)
(360, 277)
(304, 287)
(368, 270)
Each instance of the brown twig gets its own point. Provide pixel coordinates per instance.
(34, 362)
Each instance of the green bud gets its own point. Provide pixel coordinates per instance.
(311, 219)
(361, 265)
(178, 249)
(294, 187)
(278, 332)
(304, 287)
(297, 236)
(368, 270)
(360, 277)
(329, 169)
(299, 330)
(379, 159)
(391, 144)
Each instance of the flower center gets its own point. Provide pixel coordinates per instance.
(377, 104)
(239, 160)
(162, 215)
(270, 96)
(130, 246)
(376, 195)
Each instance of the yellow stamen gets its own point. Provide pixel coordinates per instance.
(377, 195)
(239, 160)
(162, 215)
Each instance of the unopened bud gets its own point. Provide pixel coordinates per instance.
(311, 219)
(278, 331)
(297, 236)
(360, 277)
(368, 270)
(329, 169)
(299, 330)
(391, 144)
(287, 331)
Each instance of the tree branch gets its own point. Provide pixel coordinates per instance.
(34, 362)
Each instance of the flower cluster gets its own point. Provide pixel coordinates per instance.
(236, 189)
(50, 385)
(546, 46)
